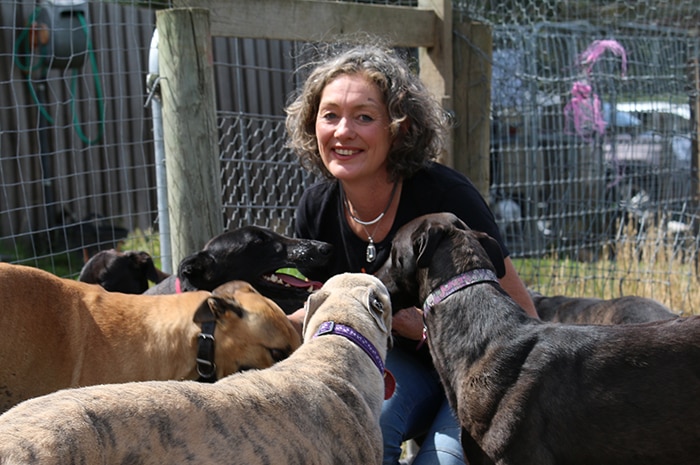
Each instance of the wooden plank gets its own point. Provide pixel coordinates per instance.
(189, 129)
(435, 62)
(694, 84)
(315, 20)
(472, 102)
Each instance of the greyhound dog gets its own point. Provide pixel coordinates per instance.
(60, 333)
(252, 254)
(117, 271)
(319, 406)
(590, 310)
(530, 392)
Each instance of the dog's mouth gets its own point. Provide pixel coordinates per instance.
(291, 278)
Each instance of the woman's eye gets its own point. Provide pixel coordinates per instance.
(366, 118)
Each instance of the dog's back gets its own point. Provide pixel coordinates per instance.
(589, 310)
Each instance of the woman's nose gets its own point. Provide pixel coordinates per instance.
(344, 128)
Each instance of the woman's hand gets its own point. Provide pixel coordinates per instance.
(408, 323)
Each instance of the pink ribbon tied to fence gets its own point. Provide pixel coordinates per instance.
(597, 48)
(583, 111)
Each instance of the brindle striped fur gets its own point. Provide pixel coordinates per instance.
(529, 392)
(590, 310)
(319, 406)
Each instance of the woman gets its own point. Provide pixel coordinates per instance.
(369, 126)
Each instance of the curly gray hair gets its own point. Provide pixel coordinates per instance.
(417, 120)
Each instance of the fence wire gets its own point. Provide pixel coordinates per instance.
(592, 174)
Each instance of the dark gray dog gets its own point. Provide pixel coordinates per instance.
(591, 310)
(529, 392)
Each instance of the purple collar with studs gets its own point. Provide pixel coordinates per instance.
(331, 327)
(459, 282)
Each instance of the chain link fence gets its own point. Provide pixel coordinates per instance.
(594, 142)
(592, 171)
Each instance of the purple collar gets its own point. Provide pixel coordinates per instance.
(331, 327)
(458, 283)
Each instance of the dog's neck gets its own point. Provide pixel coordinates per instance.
(457, 283)
(330, 327)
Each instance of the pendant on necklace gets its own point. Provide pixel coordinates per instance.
(371, 251)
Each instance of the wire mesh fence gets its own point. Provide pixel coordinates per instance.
(263, 181)
(592, 172)
(592, 154)
(75, 139)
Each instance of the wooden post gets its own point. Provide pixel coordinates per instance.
(473, 50)
(189, 129)
(694, 78)
(435, 62)
(694, 102)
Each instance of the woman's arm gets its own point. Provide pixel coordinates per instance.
(515, 288)
(297, 320)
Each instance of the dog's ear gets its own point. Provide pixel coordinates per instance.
(425, 240)
(156, 275)
(138, 260)
(377, 308)
(493, 250)
(459, 224)
(311, 305)
(196, 268)
(214, 307)
(152, 273)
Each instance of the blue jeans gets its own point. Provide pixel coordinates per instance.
(418, 407)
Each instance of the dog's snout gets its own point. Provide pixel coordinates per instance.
(310, 251)
(325, 249)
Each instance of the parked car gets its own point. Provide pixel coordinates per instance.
(557, 188)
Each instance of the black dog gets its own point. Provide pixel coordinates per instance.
(529, 392)
(590, 310)
(252, 254)
(128, 272)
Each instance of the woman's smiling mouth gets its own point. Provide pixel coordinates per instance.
(345, 152)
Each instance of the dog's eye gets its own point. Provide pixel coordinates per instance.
(376, 303)
(278, 354)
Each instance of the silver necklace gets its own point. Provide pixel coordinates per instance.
(371, 252)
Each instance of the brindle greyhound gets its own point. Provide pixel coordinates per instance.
(530, 392)
(320, 406)
(590, 310)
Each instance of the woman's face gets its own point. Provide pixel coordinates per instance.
(352, 129)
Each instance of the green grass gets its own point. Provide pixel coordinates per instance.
(146, 241)
(69, 264)
(661, 273)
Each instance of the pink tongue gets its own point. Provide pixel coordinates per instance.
(296, 282)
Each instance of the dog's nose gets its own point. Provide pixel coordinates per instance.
(325, 248)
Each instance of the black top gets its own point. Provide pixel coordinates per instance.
(434, 189)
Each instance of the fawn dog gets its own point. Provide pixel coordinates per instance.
(60, 333)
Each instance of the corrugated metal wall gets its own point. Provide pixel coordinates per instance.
(87, 165)
(95, 157)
